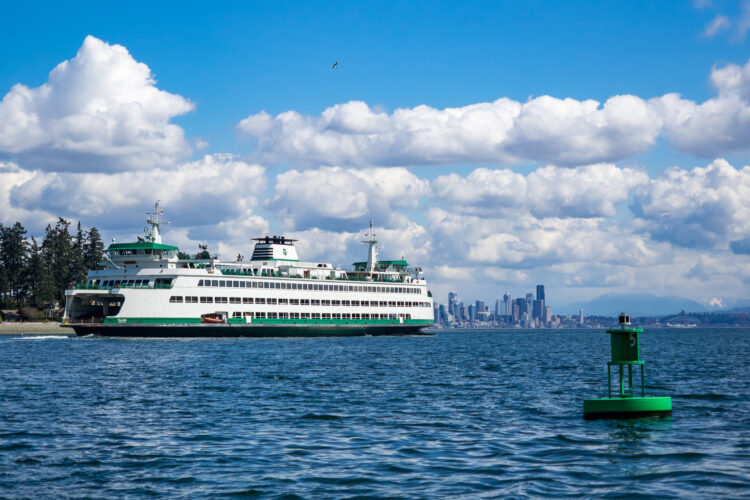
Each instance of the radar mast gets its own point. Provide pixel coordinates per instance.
(154, 220)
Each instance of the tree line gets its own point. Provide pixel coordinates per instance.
(34, 274)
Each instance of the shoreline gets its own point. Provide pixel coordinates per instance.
(32, 328)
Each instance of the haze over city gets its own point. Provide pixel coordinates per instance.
(593, 147)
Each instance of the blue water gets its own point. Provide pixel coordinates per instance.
(460, 414)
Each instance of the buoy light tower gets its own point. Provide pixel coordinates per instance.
(626, 352)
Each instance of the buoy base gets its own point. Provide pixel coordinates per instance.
(627, 407)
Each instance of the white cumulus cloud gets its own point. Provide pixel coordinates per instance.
(99, 111)
(588, 191)
(344, 199)
(716, 126)
(700, 208)
(565, 131)
(203, 193)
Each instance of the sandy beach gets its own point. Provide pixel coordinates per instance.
(51, 328)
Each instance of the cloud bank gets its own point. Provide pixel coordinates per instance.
(566, 132)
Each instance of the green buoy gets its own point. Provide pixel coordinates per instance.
(625, 352)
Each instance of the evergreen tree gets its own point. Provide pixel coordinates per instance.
(93, 250)
(58, 255)
(37, 278)
(13, 254)
(77, 264)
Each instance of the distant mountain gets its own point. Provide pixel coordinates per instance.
(635, 304)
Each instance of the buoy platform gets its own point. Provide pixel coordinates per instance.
(626, 353)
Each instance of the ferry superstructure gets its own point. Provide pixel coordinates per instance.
(147, 290)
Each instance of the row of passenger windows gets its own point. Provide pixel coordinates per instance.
(308, 286)
(179, 299)
(116, 283)
(297, 315)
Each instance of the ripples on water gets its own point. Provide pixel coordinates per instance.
(460, 414)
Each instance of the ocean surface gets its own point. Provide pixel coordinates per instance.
(462, 414)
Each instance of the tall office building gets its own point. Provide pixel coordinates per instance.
(538, 311)
(452, 302)
(580, 316)
(540, 292)
(508, 308)
(529, 303)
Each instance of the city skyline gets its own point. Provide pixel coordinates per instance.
(595, 147)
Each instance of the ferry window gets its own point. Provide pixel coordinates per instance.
(283, 315)
(304, 315)
(365, 316)
(260, 315)
(242, 284)
(336, 315)
(335, 302)
(355, 316)
(236, 314)
(248, 315)
(304, 302)
(315, 302)
(200, 282)
(391, 316)
(325, 302)
(271, 301)
(220, 300)
(254, 284)
(278, 284)
(265, 285)
(326, 316)
(294, 302)
(294, 315)
(304, 286)
(408, 316)
(235, 300)
(191, 300)
(214, 282)
(391, 304)
(272, 315)
(260, 300)
(247, 300)
(346, 316)
(315, 315)
(283, 301)
(236, 284)
(365, 303)
(400, 304)
(207, 300)
(345, 303)
(355, 303)
(222, 283)
(175, 298)
(283, 285)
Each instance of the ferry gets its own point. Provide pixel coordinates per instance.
(150, 289)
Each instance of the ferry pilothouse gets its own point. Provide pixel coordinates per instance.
(147, 290)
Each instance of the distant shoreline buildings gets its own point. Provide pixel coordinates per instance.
(523, 312)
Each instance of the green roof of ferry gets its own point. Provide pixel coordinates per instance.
(140, 245)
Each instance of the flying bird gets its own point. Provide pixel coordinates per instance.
(335, 65)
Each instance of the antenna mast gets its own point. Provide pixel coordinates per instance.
(372, 252)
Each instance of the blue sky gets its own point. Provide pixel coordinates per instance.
(216, 68)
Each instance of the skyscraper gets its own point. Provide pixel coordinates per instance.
(540, 292)
(508, 309)
(452, 302)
